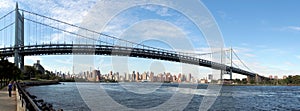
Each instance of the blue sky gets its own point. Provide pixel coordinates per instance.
(264, 33)
(269, 30)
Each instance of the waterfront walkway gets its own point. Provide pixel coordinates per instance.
(7, 103)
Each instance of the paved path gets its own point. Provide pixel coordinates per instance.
(7, 103)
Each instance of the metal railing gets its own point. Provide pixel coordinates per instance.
(26, 99)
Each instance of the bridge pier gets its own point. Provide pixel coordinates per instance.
(19, 39)
(250, 80)
(256, 79)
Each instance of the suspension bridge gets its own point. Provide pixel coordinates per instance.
(24, 33)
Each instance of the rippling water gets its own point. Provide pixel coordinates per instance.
(154, 96)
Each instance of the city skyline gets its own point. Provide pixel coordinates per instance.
(263, 57)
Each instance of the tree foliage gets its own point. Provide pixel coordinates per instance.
(8, 71)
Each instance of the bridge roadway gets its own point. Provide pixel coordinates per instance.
(83, 49)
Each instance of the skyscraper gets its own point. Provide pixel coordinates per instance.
(137, 76)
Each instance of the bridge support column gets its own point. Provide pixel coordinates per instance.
(230, 76)
(19, 39)
(257, 78)
(231, 63)
(250, 80)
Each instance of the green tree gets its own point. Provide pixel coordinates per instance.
(8, 71)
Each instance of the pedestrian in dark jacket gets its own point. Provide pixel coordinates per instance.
(10, 85)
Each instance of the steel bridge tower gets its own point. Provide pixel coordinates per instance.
(19, 39)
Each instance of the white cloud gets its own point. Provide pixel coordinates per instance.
(298, 56)
(164, 11)
(288, 28)
(295, 28)
(7, 5)
(66, 11)
(250, 55)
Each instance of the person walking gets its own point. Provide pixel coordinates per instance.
(10, 85)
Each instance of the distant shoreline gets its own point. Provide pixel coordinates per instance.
(53, 82)
(259, 85)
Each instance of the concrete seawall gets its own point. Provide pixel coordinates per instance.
(37, 83)
(20, 105)
(26, 101)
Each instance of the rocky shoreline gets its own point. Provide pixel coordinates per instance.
(37, 83)
(41, 104)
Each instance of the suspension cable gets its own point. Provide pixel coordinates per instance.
(101, 34)
(241, 61)
(6, 14)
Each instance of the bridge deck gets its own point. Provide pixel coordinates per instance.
(84, 49)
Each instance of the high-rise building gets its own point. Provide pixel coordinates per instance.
(133, 76)
(151, 76)
(144, 76)
(174, 78)
(189, 77)
(126, 76)
(179, 78)
(210, 77)
(183, 78)
(168, 77)
(137, 76)
(116, 76)
(160, 78)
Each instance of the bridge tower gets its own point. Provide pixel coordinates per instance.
(231, 63)
(19, 39)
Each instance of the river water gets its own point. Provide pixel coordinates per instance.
(168, 96)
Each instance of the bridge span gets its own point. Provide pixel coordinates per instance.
(84, 49)
(19, 49)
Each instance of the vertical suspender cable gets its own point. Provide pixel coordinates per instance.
(3, 31)
(27, 29)
(10, 32)
(36, 30)
(58, 34)
(63, 33)
(40, 37)
(42, 31)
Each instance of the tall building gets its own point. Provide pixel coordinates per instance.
(137, 76)
(126, 76)
(133, 76)
(96, 74)
(110, 75)
(183, 78)
(210, 77)
(189, 77)
(160, 78)
(144, 76)
(117, 76)
(179, 78)
(174, 78)
(151, 76)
